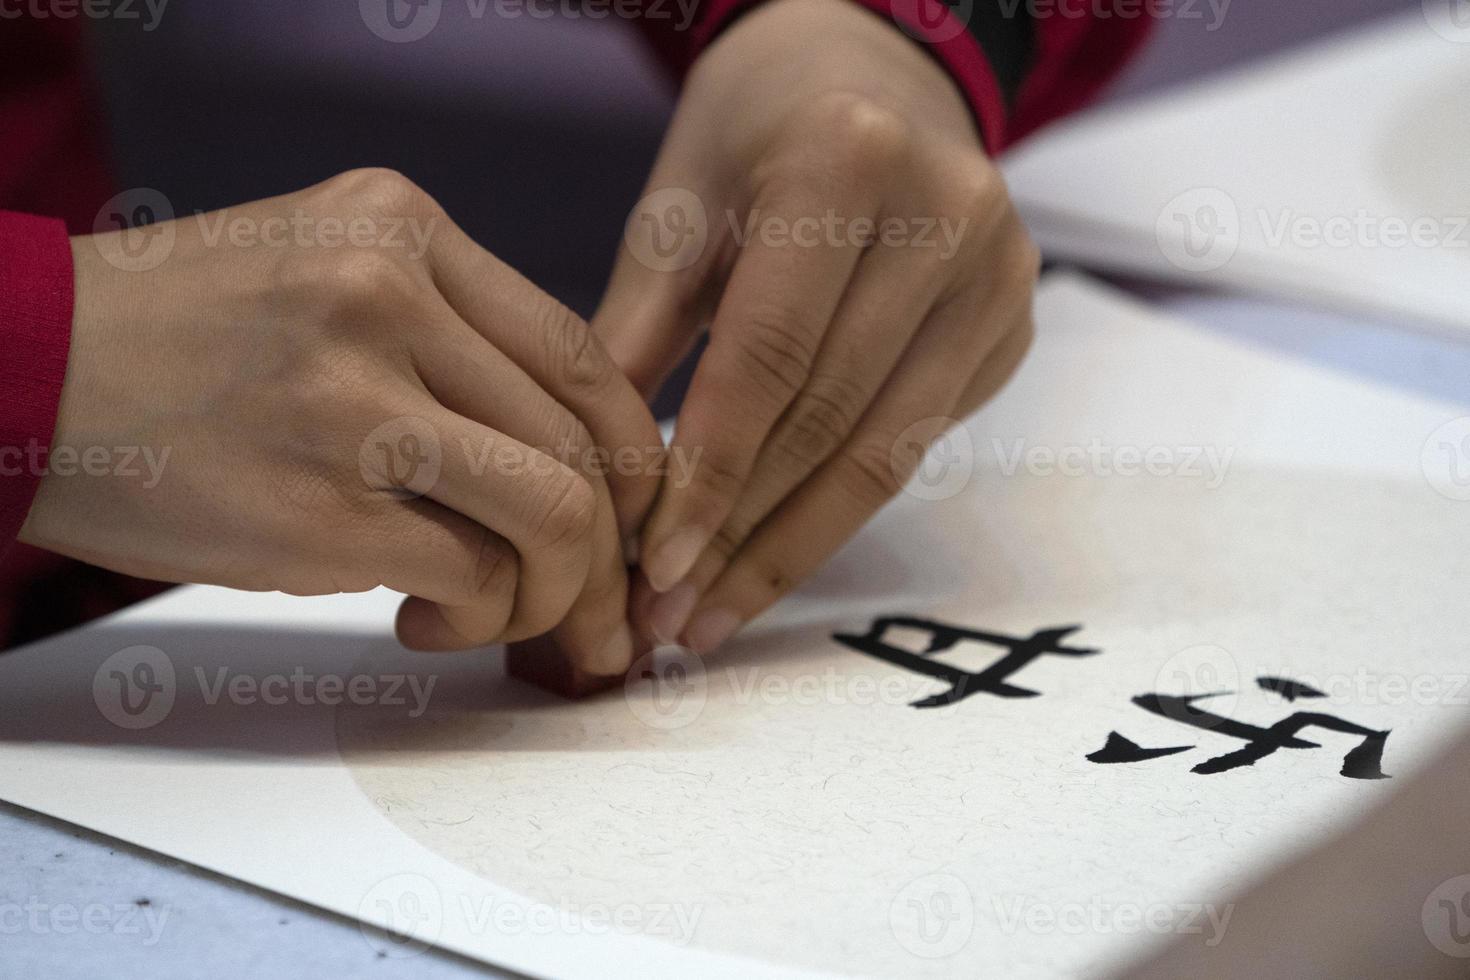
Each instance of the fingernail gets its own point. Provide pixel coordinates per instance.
(670, 562)
(710, 630)
(671, 611)
(615, 656)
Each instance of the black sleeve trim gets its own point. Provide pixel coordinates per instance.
(1003, 29)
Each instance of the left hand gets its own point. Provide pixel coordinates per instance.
(864, 271)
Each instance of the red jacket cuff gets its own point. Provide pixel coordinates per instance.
(926, 21)
(1075, 52)
(36, 295)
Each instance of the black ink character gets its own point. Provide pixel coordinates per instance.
(963, 683)
(1291, 690)
(1363, 761)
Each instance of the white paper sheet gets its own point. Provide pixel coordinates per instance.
(1335, 174)
(785, 809)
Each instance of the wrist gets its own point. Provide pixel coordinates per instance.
(796, 50)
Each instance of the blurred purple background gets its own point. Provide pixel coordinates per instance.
(536, 134)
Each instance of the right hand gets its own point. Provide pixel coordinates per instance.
(328, 416)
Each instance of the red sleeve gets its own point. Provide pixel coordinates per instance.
(35, 338)
(1075, 53)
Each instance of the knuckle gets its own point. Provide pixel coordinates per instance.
(774, 344)
(569, 442)
(727, 541)
(333, 384)
(718, 478)
(1025, 259)
(378, 190)
(865, 136)
(568, 513)
(493, 569)
(1014, 344)
(825, 413)
(874, 476)
(357, 284)
(572, 346)
(976, 189)
(575, 439)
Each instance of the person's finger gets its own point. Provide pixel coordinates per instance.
(596, 633)
(847, 491)
(561, 354)
(459, 577)
(474, 379)
(891, 292)
(641, 598)
(653, 308)
(544, 510)
(766, 332)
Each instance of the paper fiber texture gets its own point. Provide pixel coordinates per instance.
(785, 808)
